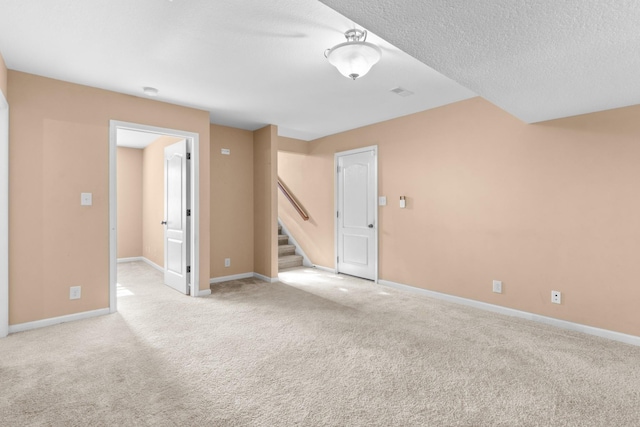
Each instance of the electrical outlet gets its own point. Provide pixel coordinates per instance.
(75, 292)
(497, 286)
(227, 262)
(556, 297)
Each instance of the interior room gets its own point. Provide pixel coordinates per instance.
(394, 213)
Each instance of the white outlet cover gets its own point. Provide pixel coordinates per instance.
(227, 262)
(497, 286)
(556, 297)
(75, 292)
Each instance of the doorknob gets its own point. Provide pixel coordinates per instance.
(164, 223)
(370, 225)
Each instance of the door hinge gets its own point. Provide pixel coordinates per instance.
(188, 156)
(188, 212)
(337, 214)
(338, 259)
(338, 169)
(188, 269)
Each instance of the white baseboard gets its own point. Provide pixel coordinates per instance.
(221, 279)
(152, 264)
(265, 278)
(330, 270)
(204, 293)
(21, 327)
(130, 259)
(564, 324)
(143, 259)
(231, 277)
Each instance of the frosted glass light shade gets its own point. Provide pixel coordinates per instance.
(354, 59)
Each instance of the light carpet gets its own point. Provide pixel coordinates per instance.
(316, 349)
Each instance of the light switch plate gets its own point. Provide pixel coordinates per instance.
(382, 201)
(86, 199)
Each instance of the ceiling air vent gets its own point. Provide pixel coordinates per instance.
(401, 92)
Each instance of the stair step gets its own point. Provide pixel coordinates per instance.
(283, 239)
(286, 250)
(289, 261)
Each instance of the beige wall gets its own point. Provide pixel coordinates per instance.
(551, 206)
(59, 141)
(3, 77)
(293, 145)
(231, 201)
(265, 228)
(129, 202)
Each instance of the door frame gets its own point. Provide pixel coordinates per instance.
(194, 203)
(336, 189)
(4, 216)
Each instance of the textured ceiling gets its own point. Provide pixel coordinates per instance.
(249, 63)
(536, 59)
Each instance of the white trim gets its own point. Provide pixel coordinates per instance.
(265, 278)
(131, 259)
(152, 264)
(329, 269)
(4, 216)
(114, 125)
(564, 324)
(305, 259)
(141, 259)
(336, 156)
(21, 327)
(113, 217)
(204, 293)
(220, 279)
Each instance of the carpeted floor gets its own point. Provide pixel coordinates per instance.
(314, 350)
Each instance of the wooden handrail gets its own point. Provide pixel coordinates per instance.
(293, 202)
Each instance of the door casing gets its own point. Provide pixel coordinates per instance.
(194, 204)
(337, 156)
(4, 216)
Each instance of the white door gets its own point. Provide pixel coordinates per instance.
(357, 215)
(176, 217)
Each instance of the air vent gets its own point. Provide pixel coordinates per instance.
(401, 92)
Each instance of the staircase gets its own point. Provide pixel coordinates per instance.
(287, 257)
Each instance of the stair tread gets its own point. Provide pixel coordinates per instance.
(289, 257)
(283, 240)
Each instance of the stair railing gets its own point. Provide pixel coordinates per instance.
(293, 201)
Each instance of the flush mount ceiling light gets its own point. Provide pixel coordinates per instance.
(150, 91)
(355, 57)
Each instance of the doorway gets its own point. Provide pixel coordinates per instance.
(356, 221)
(191, 201)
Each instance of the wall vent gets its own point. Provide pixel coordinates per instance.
(401, 91)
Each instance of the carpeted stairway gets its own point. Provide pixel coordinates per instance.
(287, 257)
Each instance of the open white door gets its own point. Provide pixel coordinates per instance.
(176, 214)
(357, 217)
